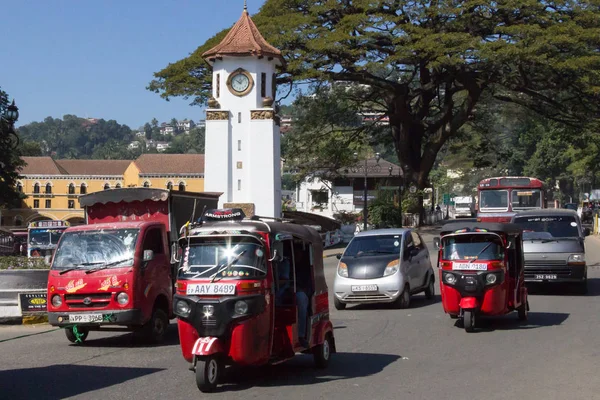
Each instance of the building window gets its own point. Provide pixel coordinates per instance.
(36, 204)
(20, 187)
(218, 85)
(71, 203)
(239, 145)
(274, 86)
(263, 85)
(36, 188)
(83, 188)
(48, 203)
(118, 186)
(71, 188)
(181, 187)
(147, 184)
(106, 186)
(170, 186)
(48, 188)
(239, 118)
(239, 184)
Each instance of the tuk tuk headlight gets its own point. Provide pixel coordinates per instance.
(182, 308)
(241, 307)
(343, 270)
(450, 279)
(490, 279)
(392, 268)
(576, 259)
(56, 301)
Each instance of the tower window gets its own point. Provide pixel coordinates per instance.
(239, 118)
(239, 145)
(274, 86)
(218, 85)
(239, 184)
(263, 84)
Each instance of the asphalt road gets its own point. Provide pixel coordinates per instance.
(383, 353)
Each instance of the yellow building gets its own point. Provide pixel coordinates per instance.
(52, 186)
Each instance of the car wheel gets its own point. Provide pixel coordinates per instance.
(430, 291)
(338, 304)
(582, 288)
(403, 301)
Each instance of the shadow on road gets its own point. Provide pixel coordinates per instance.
(416, 301)
(128, 340)
(60, 381)
(301, 371)
(509, 322)
(564, 289)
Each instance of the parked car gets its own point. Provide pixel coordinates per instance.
(383, 266)
(553, 243)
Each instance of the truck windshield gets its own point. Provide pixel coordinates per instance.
(523, 199)
(547, 227)
(494, 199)
(44, 237)
(210, 257)
(472, 247)
(92, 249)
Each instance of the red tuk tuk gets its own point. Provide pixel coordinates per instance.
(250, 292)
(481, 271)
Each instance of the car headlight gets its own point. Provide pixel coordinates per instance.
(182, 308)
(576, 259)
(450, 279)
(122, 298)
(343, 270)
(490, 279)
(392, 268)
(241, 307)
(56, 301)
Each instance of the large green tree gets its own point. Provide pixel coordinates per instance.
(10, 161)
(427, 64)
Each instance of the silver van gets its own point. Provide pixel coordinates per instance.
(553, 243)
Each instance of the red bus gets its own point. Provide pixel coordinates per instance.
(500, 198)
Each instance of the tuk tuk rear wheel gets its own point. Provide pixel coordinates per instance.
(208, 370)
(522, 310)
(469, 321)
(322, 352)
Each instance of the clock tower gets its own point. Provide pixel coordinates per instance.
(242, 148)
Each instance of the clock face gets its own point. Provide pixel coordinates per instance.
(240, 82)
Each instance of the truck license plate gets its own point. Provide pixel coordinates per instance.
(82, 318)
(210, 289)
(545, 276)
(364, 288)
(469, 266)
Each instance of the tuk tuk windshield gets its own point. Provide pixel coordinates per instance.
(472, 247)
(223, 258)
(92, 249)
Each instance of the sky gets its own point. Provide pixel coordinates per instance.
(94, 58)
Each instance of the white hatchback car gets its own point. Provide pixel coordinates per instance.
(383, 266)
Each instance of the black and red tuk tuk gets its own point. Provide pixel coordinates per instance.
(250, 292)
(481, 271)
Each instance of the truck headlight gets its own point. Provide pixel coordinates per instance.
(122, 298)
(241, 307)
(577, 259)
(182, 308)
(56, 301)
(392, 268)
(343, 270)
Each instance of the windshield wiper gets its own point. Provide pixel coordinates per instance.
(482, 250)
(105, 266)
(64, 271)
(229, 264)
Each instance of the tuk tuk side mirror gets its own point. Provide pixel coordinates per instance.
(437, 242)
(174, 253)
(276, 256)
(338, 256)
(586, 231)
(148, 255)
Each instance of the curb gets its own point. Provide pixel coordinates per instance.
(34, 319)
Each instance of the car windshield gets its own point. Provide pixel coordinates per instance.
(551, 226)
(92, 249)
(371, 245)
(523, 199)
(472, 247)
(494, 199)
(209, 258)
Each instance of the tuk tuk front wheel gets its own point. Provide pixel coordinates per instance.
(208, 370)
(469, 320)
(73, 338)
(322, 352)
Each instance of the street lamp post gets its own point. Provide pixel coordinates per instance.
(366, 168)
(10, 116)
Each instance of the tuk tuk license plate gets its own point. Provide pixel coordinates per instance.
(545, 276)
(82, 318)
(211, 289)
(364, 288)
(469, 266)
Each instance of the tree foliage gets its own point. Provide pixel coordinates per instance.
(10, 161)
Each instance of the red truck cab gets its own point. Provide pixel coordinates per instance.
(117, 271)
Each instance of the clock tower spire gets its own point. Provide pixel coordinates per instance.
(242, 142)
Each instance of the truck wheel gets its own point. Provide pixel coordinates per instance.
(338, 304)
(322, 352)
(469, 321)
(156, 328)
(82, 333)
(430, 291)
(208, 370)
